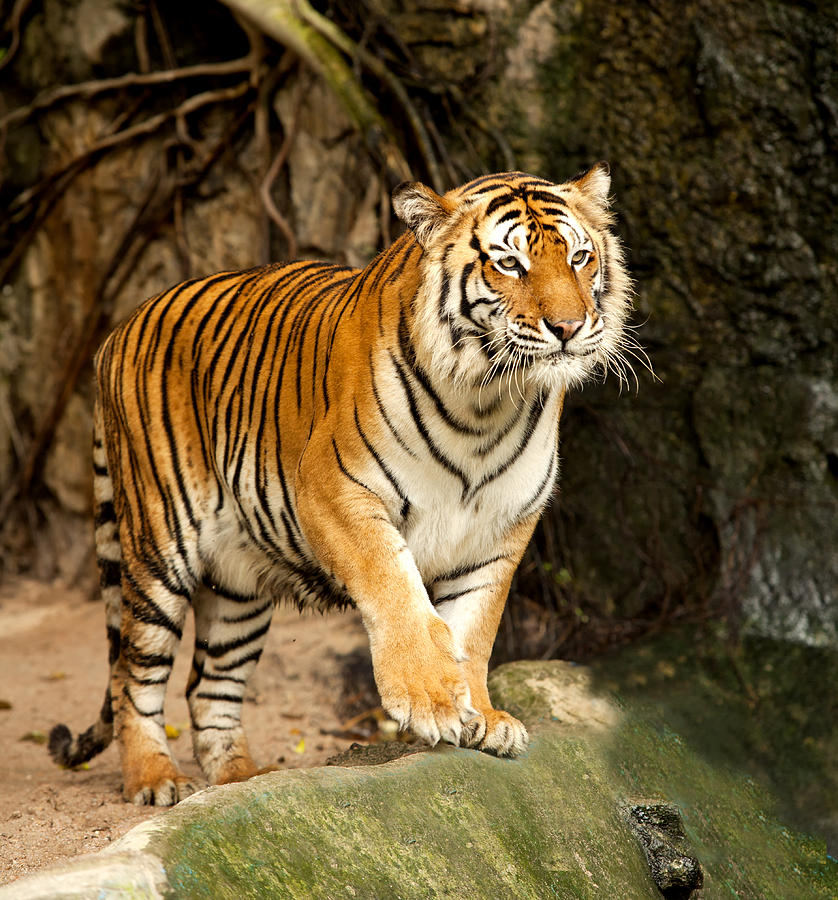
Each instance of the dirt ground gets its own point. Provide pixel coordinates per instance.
(53, 668)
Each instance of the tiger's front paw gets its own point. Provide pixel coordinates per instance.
(161, 785)
(423, 688)
(495, 731)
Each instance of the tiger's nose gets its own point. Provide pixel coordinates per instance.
(563, 329)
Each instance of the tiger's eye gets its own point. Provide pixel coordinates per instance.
(580, 257)
(508, 262)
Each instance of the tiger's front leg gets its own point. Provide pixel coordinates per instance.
(415, 659)
(472, 605)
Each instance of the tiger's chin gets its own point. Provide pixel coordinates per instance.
(564, 370)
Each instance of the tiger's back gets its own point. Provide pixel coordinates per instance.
(385, 437)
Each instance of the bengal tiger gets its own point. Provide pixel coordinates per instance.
(384, 437)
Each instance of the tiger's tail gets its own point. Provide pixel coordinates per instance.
(66, 750)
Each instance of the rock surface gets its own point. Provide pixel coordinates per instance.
(457, 823)
(719, 122)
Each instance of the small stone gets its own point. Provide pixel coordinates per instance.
(658, 827)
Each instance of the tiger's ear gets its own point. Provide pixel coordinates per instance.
(421, 209)
(595, 183)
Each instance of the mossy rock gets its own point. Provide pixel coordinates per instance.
(574, 818)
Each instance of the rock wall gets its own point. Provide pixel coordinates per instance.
(715, 484)
(720, 123)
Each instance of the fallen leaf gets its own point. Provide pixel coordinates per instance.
(666, 669)
(36, 737)
(56, 676)
(172, 732)
(4, 704)
(301, 747)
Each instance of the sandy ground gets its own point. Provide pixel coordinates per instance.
(313, 675)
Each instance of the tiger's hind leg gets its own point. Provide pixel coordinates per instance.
(154, 605)
(230, 634)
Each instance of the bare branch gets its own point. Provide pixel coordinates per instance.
(18, 10)
(87, 89)
(270, 176)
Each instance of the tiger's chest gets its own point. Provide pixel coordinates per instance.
(462, 501)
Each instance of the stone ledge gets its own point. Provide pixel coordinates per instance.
(453, 822)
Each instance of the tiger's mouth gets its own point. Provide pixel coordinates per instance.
(552, 355)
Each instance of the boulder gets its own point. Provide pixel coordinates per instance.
(606, 803)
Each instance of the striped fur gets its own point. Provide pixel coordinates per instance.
(385, 437)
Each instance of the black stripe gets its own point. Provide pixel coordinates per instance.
(446, 286)
(227, 698)
(529, 429)
(467, 569)
(213, 676)
(150, 714)
(465, 307)
(508, 216)
(474, 243)
(250, 657)
(490, 445)
(114, 640)
(421, 376)
(454, 595)
(548, 479)
(347, 474)
(225, 592)
(544, 197)
(405, 510)
(216, 650)
(399, 439)
(496, 203)
(418, 421)
(245, 617)
(110, 572)
(106, 713)
(145, 660)
(104, 513)
(146, 610)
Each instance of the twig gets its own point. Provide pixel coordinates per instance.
(141, 44)
(261, 125)
(270, 176)
(18, 10)
(86, 89)
(166, 48)
(147, 126)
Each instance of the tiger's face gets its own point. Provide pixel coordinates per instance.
(524, 274)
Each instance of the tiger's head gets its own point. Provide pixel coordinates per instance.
(522, 279)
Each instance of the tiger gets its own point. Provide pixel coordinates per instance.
(384, 438)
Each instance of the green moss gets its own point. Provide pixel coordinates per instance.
(460, 823)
